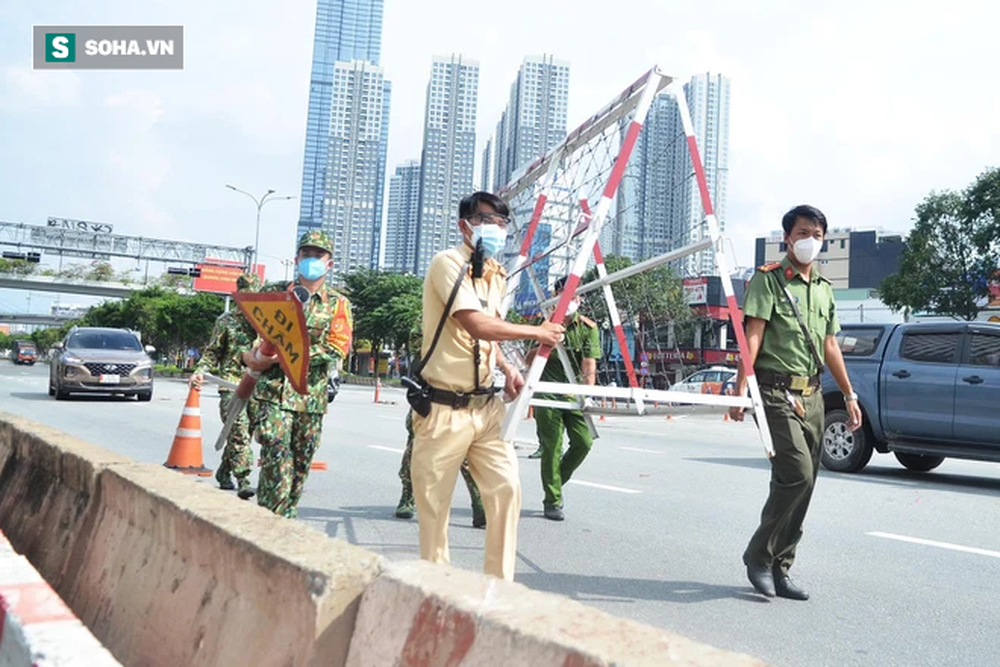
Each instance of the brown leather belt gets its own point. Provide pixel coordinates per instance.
(804, 384)
(461, 400)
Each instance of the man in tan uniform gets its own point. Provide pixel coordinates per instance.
(465, 411)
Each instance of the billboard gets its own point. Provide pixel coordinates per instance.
(696, 291)
(218, 276)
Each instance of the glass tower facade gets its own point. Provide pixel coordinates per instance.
(401, 225)
(347, 32)
(449, 154)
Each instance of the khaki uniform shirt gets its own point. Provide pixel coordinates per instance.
(451, 367)
(330, 325)
(784, 349)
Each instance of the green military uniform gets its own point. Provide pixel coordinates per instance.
(798, 440)
(232, 335)
(581, 342)
(407, 506)
(289, 425)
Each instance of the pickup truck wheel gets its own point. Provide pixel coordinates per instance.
(918, 462)
(844, 450)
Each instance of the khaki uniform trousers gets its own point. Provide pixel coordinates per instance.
(441, 441)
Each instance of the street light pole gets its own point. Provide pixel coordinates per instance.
(260, 204)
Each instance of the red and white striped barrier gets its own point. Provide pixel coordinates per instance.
(37, 629)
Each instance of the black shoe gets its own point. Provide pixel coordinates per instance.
(478, 516)
(786, 588)
(537, 454)
(554, 512)
(762, 579)
(244, 491)
(227, 485)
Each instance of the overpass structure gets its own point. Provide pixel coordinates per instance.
(91, 240)
(67, 286)
(28, 318)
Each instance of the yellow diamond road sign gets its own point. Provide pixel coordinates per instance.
(278, 318)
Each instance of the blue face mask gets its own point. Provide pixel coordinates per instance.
(492, 236)
(312, 268)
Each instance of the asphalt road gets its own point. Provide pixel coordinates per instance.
(656, 524)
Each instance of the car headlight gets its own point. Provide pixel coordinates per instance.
(70, 359)
(145, 372)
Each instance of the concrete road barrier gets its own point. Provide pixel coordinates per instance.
(418, 614)
(37, 629)
(166, 570)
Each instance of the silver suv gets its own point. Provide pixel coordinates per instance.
(101, 361)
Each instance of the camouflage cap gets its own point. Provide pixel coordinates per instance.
(316, 239)
(248, 282)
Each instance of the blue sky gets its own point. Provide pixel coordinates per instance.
(860, 110)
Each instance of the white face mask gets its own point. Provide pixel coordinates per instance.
(807, 250)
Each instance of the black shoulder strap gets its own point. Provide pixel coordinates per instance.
(444, 317)
(802, 324)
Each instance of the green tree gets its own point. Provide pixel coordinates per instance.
(171, 322)
(652, 301)
(953, 253)
(386, 306)
(101, 272)
(17, 267)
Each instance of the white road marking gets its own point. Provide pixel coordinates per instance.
(940, 545)
(636, 449)
(606, 487)
(386, 449)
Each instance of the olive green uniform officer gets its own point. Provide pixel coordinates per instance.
(787, 366)
(583, 346)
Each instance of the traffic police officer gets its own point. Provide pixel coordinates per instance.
(407, 506)
(583, 346)
(289, 426)
(232, 335)
(464, 414)
(791, 322)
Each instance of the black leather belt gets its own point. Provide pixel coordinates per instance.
(460, 400)
(805, 384)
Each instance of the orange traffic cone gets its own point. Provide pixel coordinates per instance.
(531, 412)
(378, 388)
(725, 416)
(670, 418)
(185, 454)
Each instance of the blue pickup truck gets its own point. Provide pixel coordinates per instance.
(928, 391)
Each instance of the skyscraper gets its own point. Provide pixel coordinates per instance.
(354, 165)
(449, 153)
(708, 101)
(659, 206)
(348, 32)
(403, 217)
(534, 121)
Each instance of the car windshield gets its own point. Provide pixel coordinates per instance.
(103, 340)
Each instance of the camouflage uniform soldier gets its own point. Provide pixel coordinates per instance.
(289, 425)
(407, 506)
(232, 335)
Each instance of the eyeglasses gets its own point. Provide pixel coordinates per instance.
(489, 219)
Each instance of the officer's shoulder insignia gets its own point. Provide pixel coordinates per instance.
(789, 273)
(766, 268)
(589, 322)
